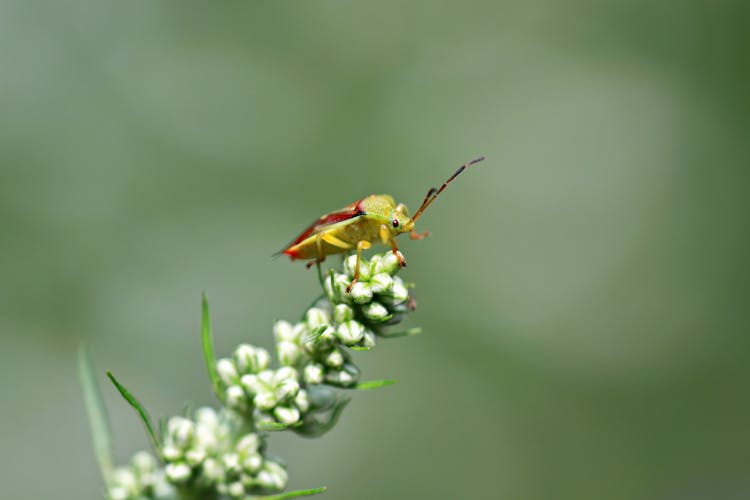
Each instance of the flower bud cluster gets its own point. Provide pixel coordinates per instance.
(379, 296)
(211, 453)
(215, 453)
(140, 479)
(316, 345)
(273, 396)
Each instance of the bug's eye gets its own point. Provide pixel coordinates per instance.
(395, 222)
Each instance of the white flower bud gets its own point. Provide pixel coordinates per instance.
(227, 371)
(350, 332)
(236, 397)
(252, 383)
(288, 353)
(388, 263)
(125, 478)
(251, 359)
(143, 462)
(286, 415)
(195, 456)
(335, 359)
(273, 476)
(368, 340)
(171, 452)
(285, 373)
(340, 283)
(248, 444)
(288, 387)
(207, 417)
(299, 331)
(375, 311)
(118, 493)
(265, 400)
(342, 312)
(180, 431)
(283, 331)
(349, 264)
(236, 489)
(316, 317)
(399, 291)
(361, 293)
(231, 461)
(381, 282)
(213, 470)
(252, 463)
(302, 401)
(313, 373)
(177, 473)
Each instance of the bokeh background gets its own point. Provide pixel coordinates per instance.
(584, 296)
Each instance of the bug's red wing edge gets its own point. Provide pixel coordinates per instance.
(349, 212)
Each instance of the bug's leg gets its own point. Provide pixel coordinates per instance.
(385, 234)
(418, 236)
(397, 253)
(332, 240)
(361, 245)
(314, 262)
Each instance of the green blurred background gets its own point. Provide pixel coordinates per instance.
(583, 297)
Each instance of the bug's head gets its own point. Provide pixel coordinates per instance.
(400, 222)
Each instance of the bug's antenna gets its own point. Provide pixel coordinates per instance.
(433, 193)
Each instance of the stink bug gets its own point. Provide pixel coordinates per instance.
(376, 217)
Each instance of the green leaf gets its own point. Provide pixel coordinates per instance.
(293, 494)
(403, 333)
(316, 427)
(138, 407)
(97, 413)
(272, 426)
(208, 351)
(374, 384)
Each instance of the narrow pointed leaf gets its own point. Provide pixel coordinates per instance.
(293, 494)
(374, 384)
(142, 413)
(270, 426)
(97, 413)
(208, 351)
(403, 333)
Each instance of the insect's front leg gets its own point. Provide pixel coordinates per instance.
(361, 245)
(397, 253)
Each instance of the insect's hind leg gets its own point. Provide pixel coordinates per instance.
(361, 245)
